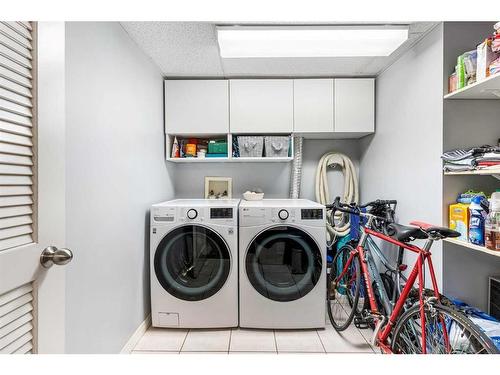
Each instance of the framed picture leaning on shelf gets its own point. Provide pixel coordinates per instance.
(218, 187)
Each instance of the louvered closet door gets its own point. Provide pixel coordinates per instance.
(16, 134)
(31, 186)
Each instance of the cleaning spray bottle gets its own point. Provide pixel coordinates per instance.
(477, 218)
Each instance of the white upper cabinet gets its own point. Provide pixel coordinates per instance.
(313, 105)
(261, 106)
(324, 108)
(354, 105)
(196, 106)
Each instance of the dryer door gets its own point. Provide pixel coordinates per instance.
(192, 262)
(283, 263)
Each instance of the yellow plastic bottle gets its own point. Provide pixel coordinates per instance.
(459, 220)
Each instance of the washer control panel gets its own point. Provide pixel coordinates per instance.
(163, 214)
(311, 214)
(221, 213)
(192, 214)
(283, 214)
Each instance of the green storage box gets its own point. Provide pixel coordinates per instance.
(217, 147)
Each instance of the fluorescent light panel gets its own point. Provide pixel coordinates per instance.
(304, 41)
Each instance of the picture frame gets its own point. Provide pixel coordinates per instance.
(218, 187)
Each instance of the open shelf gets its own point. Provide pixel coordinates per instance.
(477, 171)
(261, 159)
(198, 160)
(471, 246)
(228, 159)
(488, 88)
(494, 172)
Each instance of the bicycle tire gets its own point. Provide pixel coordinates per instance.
(341, 312)
(402, 338)
(347, 248)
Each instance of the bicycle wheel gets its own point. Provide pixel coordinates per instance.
(447, 332)
(347, 249)
(343, 294)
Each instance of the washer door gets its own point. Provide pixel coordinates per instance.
(192, 262)
(283, 263)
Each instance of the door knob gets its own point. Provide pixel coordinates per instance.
(52, 255)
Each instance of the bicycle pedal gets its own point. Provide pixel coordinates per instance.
(361, 323)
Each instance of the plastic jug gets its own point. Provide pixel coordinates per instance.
(492, 224)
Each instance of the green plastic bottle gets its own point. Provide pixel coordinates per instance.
(460, 69)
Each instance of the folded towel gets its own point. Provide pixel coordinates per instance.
(457, 168)
(460, 153)
(489, 156)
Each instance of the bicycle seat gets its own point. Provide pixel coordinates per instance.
(405, 233)
(442, 232)
(436, 232)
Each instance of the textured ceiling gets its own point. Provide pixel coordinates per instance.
(189, 49)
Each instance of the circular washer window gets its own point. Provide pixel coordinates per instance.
(192, 262)
(283, 263)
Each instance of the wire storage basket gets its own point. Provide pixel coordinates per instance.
(277, 146)
(250, 146)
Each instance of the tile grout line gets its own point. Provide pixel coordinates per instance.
(321, 341)
(230, 336)
(154, 351)
(184, 341)
(275, 341)
(364, 338)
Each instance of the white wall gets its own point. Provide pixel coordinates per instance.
(402, 159)
(115, 170)
(273, 178)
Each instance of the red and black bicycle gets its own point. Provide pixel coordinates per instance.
(415, 319)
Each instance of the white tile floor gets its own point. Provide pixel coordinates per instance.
(239, 340)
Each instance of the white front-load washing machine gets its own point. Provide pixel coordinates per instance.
(193, 262)
(282, 258)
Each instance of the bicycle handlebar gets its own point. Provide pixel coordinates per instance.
(380, 202)
(356, 209)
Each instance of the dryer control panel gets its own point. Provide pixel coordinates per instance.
(251, 216)
(194, 214)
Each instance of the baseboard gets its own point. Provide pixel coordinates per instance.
(136, 336)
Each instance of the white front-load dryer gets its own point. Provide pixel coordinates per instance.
(282, 264)
(193, 262)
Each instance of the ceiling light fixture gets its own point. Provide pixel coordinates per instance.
(309, 41)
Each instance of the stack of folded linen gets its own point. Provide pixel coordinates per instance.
(459, 160)
(489, 159)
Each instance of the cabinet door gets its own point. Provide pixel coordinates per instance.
(261, 105)
(313, 105)
(355, 105)
(196, 106)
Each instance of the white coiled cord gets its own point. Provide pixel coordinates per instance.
(351, 190)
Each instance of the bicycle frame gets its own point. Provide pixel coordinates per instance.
(417, 272)
(387, 301)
